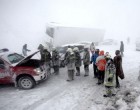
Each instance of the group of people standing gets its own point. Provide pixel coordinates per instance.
(73, 61)
(49, 60)
(108, 70)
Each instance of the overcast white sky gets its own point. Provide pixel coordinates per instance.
(28, 18)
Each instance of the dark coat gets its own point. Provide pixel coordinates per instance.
(55, 58)
(77, 59)
(70, 61)
(118, 65)
(86, 57)
(45, 56)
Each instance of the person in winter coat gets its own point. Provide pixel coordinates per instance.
(101, 62)
(119, 69)
(70, 63)
(46, 60)
(122, 48)
(40, 48)
(55, 61)
(92, 48)
(93, 59)
(86, 61)
(107, 56)
(77, 60)
(110, 78)
(25, 50)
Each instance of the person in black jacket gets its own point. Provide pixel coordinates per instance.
(119, 69)
(46, 60)
(55, 61)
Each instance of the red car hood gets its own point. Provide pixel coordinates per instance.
(25, 59)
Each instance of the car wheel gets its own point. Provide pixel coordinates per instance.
(26, 82)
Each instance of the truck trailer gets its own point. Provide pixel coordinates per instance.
(65, 35)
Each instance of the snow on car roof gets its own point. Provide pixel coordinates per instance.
(75, 44)
(4, 55)
(87, 42)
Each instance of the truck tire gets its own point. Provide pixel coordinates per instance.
(26, 82)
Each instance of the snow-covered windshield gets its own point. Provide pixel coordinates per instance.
(15, 58)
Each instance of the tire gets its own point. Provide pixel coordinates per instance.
(26, 82)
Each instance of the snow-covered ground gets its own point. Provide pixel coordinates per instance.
(82, 93)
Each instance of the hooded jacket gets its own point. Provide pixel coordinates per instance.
(101, 61)
(110, 74)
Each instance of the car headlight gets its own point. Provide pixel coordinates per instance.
(37, 70)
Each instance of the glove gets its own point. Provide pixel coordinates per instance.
(110, 79)
(90, 62)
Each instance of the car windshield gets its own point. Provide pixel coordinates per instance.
(15, 58)
(62, 50)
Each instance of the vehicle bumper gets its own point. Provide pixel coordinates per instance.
(40, 77)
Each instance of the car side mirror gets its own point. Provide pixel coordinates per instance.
(2, 66)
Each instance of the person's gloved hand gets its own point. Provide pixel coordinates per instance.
(110, 79)
(90, 62)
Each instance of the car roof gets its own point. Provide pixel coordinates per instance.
(75, 44)
(87, 42)
(4, 55)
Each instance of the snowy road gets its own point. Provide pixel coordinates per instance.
(81, 94)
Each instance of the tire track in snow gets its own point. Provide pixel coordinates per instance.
(58, 92)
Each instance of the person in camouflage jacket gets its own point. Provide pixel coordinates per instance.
(70, 63)
(55, 61)
(110, 78)
(86, 61)
(77, 60)
(46, 60)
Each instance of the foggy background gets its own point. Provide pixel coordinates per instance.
(25, 21)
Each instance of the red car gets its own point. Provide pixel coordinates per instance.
(23, 72)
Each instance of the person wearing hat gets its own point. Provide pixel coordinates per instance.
(40, 48)
(86, 61)
(70, 63)
(107, 56)
(25, 50)
(77, 60)
(110, 78)
(55, 61)
(119, 69)
(93, 59)
(46, 60)
(101, 62)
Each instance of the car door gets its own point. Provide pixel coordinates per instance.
(5, 76)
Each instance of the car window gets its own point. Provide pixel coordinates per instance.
(15, 58)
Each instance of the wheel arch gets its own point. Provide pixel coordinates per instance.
(22, 75)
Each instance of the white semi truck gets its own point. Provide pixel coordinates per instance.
(66, 35)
